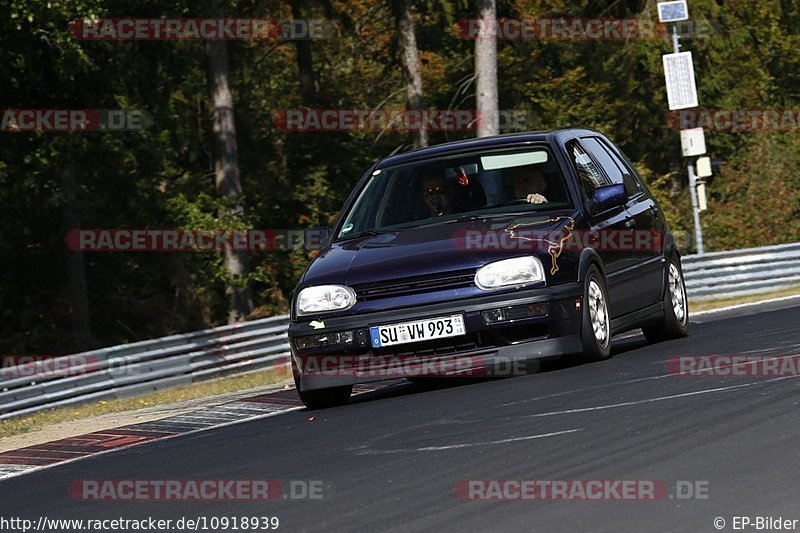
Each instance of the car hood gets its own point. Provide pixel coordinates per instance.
(430, 250)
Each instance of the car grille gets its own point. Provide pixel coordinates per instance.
(415, 285)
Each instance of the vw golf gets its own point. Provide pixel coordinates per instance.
(456, 259)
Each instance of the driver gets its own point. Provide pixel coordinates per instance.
(438, 193)
(529, 184)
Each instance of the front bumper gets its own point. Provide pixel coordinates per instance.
(486, 349)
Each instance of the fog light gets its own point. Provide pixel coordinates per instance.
(518, 312)
(326, 339)
(492, 315)
(303, 343)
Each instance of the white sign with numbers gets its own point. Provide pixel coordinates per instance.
(679, 73)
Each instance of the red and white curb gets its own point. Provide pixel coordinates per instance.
(25, 460)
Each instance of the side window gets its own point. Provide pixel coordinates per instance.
(632, 184)
(588, 173)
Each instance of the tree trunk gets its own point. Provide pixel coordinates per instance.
(305, 64)
(226, 168)
(77, 292)
(486, 72)
(409, 59)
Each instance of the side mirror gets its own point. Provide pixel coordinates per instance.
(608, 196)
(316, 238)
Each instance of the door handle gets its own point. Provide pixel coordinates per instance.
(630, 222)
(654, 210)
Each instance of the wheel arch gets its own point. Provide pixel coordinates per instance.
(588, 258)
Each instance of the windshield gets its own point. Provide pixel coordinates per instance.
(483, 184)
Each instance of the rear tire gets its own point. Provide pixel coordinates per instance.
(676, 311)
(323, 398)
(596, 322)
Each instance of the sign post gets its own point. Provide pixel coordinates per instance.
(682, 94)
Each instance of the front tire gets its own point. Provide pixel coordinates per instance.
(323, 398)
(676, 310)
(596, 322)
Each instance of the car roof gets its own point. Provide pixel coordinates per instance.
(478, 143)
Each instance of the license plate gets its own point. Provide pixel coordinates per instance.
(419, 330)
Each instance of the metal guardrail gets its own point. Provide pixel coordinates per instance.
(741, 272)
(140, 367)
(157, 364)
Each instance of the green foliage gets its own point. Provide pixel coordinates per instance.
(162, 176)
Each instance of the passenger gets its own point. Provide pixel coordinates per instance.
(438, 193)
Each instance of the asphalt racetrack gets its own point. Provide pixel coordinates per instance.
(391, 459)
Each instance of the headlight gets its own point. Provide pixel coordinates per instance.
(507, 272)
(324, 298)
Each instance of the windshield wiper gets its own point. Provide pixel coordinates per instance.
(467, 218)
(365, 233)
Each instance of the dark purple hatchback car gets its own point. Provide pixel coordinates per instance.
(473, 257)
